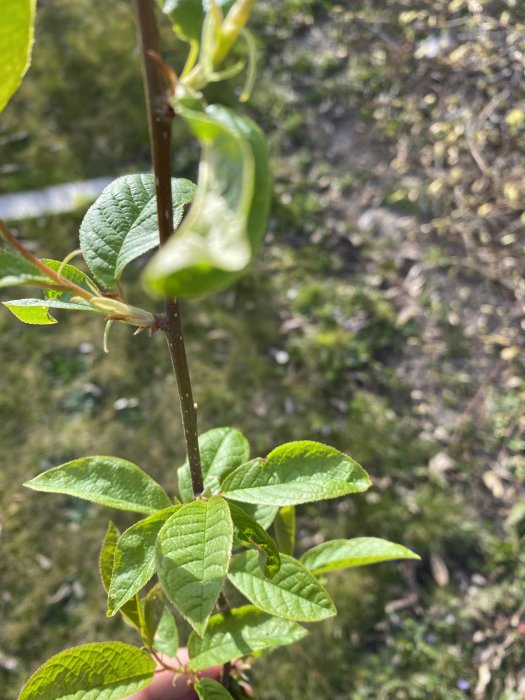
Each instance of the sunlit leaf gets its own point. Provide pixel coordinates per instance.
(16, 40)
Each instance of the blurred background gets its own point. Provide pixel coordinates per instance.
(385, 317)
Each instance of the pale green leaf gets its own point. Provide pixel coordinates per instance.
(240, 632)
(71, 273)
(293, 593)
(16, 41)
(297, 472)
(122, 224)
(36, 311)
(264, 515)
(187, 16)
(227, 221)
(222, 450)
(208, 689)
(15, 270)
(159, 629)
(343, 554)
(193, 553)
(131, 610)
(103, 671)
(110, 481)
(284, 528)
(166, 638)
(134, 559)
(251, 534)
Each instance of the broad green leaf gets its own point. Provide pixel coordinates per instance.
(193, 553)
(240, 632)
(208, 689)
(131, 610)
(71, 273)
(110, 481)
(227, 221)
(122, 224)
(293, 593)
(36, 311)
(16, 41)
(251, 534)
(134, 559)
(187, 16)
(284, 528)
(264, 515)
(343, 554)
(103, 671)
(15, 270)
(159, 628)
(297, 472)
(222, 450)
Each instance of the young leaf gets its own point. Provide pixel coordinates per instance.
(293, 593)
(71, 273)
(240, 632)
(222, 450)
(109, 670)
(159, 629)
(227, 220)
(251, 534)
(297, 472)
(14, 270)
(166, 639)
(208, 689)
(187, 16)
(122, 224)
(264, 515)
(343, 554)
(110, 481)
(131, 610)
(193, 553)
(36, 311)
(16, 40)
(134, 559)
(284, 528)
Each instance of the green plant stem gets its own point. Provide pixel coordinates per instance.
(160, 116)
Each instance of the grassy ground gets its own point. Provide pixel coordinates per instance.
(385, 317)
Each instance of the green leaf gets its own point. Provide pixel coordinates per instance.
(159, 627)
(131, 610)
(134, 559)
(343, 554)
(108, 670)
(208, 689)
(14, 270)
(71, 273)
(122, 224)
(284, 528)
(264, 515)
(16, 41)
(293, 593)
(36, 311)
(251, 534)
(227, 221)
(222, 450)
(110, 481)
(187, 16)
(297, 472)
(193, 553)
(240, 632)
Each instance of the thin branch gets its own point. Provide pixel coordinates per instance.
(160, 116)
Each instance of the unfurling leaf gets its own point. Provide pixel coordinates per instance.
(16, 40)
(193, 553)
(122, 224)
(109, 670)
(131, 610)
(227, 221)
(134, 559)
(240, 632)
(208, 689)
(250, 534)
(71, 273)
(36, 311)
(284, 528)
(159, 627)
(293, 593)
(297, 472)
(343, 554)
(110, 481)
(187, 16)
(222, 450)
